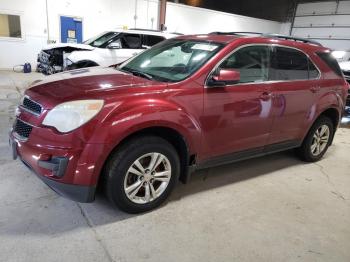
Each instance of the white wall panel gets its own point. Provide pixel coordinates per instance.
(146, 12)
(338, 33)
(336, 44)
(326, 22)
(97, 15)
(101, 15)
(344, 7)
(316, 8)
(189, 20)
(13, 51)
(331, 20)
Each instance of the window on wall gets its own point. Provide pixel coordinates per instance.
(10, 26)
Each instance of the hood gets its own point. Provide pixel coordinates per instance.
(86, 83)
(61, 45)
(345, 66)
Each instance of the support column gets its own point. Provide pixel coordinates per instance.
(162, 13)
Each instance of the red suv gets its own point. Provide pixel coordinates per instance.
(187, 103)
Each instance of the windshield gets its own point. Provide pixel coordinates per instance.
(172, 60)
(101, 39)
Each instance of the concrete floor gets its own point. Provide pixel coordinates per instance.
(273, 208)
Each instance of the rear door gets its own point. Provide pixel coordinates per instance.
(295, 86)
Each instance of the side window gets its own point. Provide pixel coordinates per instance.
(313, 72)
(252, 62)
(131, 41)
(289, 64)
(151, 40)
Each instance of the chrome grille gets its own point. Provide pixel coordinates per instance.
(31, 106)
(22, 129)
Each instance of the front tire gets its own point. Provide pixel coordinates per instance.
(141, 174)
(317, 141)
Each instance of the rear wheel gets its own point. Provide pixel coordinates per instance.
(317, 140)
(141, 174)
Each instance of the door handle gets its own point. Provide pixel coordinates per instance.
(266, 96)
(315, 89)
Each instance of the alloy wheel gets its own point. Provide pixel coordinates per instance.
(147, 178)
(320, 140)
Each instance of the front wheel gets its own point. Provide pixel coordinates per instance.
(141, 174)
(317, 140)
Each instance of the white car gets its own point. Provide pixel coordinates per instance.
(106, 49)
(345, 67)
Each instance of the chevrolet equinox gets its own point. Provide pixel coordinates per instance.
(188, 103)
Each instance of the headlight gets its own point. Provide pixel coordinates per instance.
(70, 115)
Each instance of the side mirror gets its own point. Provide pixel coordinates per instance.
(114, 45)
(225, 77)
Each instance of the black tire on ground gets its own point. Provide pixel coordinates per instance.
(120, 161)
(304, 152)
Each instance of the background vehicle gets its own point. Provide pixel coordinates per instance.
(188, 103)
(108, 48)
(345, 67)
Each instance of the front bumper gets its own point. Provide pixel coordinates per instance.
(82, 194)
(70, 172)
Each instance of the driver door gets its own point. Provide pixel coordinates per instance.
(238, 117)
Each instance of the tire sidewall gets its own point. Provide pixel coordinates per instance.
(307, 144)
(118, 171)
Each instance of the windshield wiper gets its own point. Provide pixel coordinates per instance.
(138, 73)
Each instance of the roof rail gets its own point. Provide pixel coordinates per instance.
(235, 33)
(285, 37)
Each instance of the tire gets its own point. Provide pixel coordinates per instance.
(122, 175)
(308, 152)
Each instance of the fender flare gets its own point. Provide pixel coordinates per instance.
(117, 126)
(329, 101)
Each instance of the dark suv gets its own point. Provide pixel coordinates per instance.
(188, 103)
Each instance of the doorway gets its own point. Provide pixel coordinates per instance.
(71, 29)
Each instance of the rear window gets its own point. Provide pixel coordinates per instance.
(289, 64)
(131, 41)
(331, 62)
(151, 40)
